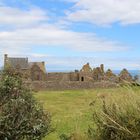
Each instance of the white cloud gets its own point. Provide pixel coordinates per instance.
(105, 12)
(31, 29)
(37, 31)
(18, 18)
(49, 35)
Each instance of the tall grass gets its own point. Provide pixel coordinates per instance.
(72, 111)
(118, 118)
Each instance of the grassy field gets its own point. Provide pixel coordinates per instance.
(71, 110)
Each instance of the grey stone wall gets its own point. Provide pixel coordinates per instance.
(74, 76)
(58, 77)
(69, 85)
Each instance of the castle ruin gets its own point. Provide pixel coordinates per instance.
(87, 77)
(35, 71)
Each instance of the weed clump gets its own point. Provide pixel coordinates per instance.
(118, 118)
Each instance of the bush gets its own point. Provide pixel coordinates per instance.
(118, 119)
(21, 117)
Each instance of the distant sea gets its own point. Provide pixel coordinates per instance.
(132, 72)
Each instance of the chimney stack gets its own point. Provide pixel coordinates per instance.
(102, 67)
(5, 59)
(43, 63)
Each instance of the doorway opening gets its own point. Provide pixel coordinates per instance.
(82, 79)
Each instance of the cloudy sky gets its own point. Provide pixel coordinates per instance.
(68, 33)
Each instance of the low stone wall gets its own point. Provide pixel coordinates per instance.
(54, 76)
(36, 85)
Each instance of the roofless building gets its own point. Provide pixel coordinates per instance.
(35, 71)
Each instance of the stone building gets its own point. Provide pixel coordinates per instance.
(98, 73)
(86, 73)
(37, 71)
(87, 77)
(31, 70)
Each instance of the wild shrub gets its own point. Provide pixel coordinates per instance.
(118, 119)
(21, 117)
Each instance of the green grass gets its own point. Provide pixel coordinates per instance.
(70, 110)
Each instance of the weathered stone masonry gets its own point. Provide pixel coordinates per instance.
(31, 70)
(35, 74)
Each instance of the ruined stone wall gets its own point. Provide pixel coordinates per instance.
(74, 76)
(58, 77)
(86, 76)
(70, 85)
(37, 74)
